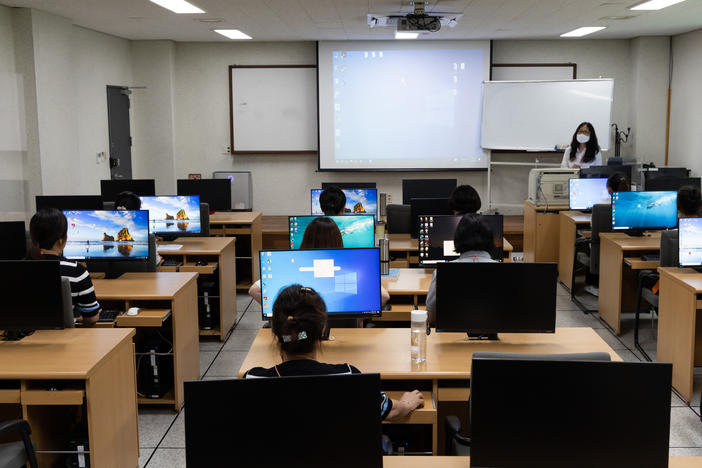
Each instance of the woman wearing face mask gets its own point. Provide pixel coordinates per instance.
(584, 151)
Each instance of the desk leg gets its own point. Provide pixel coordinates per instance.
(610, 295)
(676, 333)
(186, 346)
(566, 252)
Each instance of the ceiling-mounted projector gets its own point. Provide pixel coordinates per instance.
(417, 22)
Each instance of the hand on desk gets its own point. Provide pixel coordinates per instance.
(409, 402)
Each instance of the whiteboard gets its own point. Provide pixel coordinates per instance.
(538, 115)
(274, 109)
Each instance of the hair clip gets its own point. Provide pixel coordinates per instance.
(306, 290)
(300, 336)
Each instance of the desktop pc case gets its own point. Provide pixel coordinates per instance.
(550, 186)
(242, 188)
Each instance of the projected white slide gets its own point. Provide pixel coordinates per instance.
(390, 105)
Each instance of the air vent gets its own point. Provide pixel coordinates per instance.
(618, 18)
(210, 20)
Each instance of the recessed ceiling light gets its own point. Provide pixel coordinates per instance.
(655, 4)
(232, 33)
(584, 31)
(178, 6)
(406, 35)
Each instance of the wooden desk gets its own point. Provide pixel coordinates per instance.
(220, 256)
(618, 285)
(275, 233)
(91, 366)
(679, 330)
(541, 232)
(246, 226)
(464, 462)
(174, 291)
(569, 223)
(407, 290)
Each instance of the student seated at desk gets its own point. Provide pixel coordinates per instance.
(584, 150)
(298, 323)
(618, 182)
(332, 201)
(474, 241)
(48, 230)
(464, 199)
(321, 233)
(689, 202)
(127, 201)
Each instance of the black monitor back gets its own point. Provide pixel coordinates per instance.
(348, 185)
(670, 183)
(69, 202)
(595, 172)
(286, 421)
(548, 414)
(35, 298)
(470, 297)
(109, 189)
(217, 193)
(654, 173)
(13, 240)
(426, 188)
(426, 206)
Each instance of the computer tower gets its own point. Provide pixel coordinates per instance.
(155, 365)
(242, 188)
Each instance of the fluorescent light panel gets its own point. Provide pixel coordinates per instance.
(584, 31)
(232, 33)
(406, 35)
(655, 4)
(178, 6)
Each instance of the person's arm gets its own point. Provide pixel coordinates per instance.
(255, 291)
(566, 156)
(84, 299)
(431, 301)
(598, 160)
(409, 402)
(384, 296)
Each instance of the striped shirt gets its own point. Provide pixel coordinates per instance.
(82, 290)
(307, 367)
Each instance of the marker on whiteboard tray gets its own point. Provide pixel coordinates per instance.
(560, 147)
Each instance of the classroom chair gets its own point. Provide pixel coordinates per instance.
(459, 445)
(399, 219)
(648, 280)
(67, 300)
(587, 251)
(204, 220)
(17, 454)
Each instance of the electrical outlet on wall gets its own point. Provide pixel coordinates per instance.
(389, 198)
(227, 149)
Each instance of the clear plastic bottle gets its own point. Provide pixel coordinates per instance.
(418, 344)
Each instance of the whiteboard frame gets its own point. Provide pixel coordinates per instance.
(572, 65)
(542, 150)
(232, 149)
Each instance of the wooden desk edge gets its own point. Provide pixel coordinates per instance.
(147, 297)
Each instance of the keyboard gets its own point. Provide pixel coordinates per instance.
(109, 315)
(651, 258)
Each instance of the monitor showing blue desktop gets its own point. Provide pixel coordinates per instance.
(584, 193)
(358, 201)
(347, 279)
(690, 239)
(644, 210)
(179, 215)
(107, 235)
(356, 231)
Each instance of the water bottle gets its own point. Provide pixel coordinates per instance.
(418, 345)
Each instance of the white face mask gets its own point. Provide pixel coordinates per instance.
(582, 138)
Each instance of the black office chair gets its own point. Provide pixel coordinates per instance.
(669, 257)
(204, 220)
(17, 454)
(399, 219)
(459, 445)
(587, 251)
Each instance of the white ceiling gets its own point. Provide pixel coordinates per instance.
(292, 20)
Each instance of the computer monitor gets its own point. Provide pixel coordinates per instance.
(107, 235)
(173, 216)
(69, 202)
(287, 421)
(358, 201)
(356, 231)
(604, 172)
(109, 189)
(690, 242)
(670, 183)
(34, 300)
(349, 185)
(347, 279)
(216, 192)
(634, 211)
(426, 207)
(585, 193)
(569, 413)
(436, 237)
(426, 188)
(655, 172)
(13, 240)
(470, 297)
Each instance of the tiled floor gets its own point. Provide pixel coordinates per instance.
(161, 431)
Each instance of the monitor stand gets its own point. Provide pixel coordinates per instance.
(635, 232)
(111, 272)
(482, 337)
(167, 237)
(15, 335)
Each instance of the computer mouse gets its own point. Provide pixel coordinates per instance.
(200, 263)
(133, 311)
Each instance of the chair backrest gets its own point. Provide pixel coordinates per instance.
(108, 205)
(399, 219)
(67, 300)
(601, 222)
(204, 220)
(670, 253)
